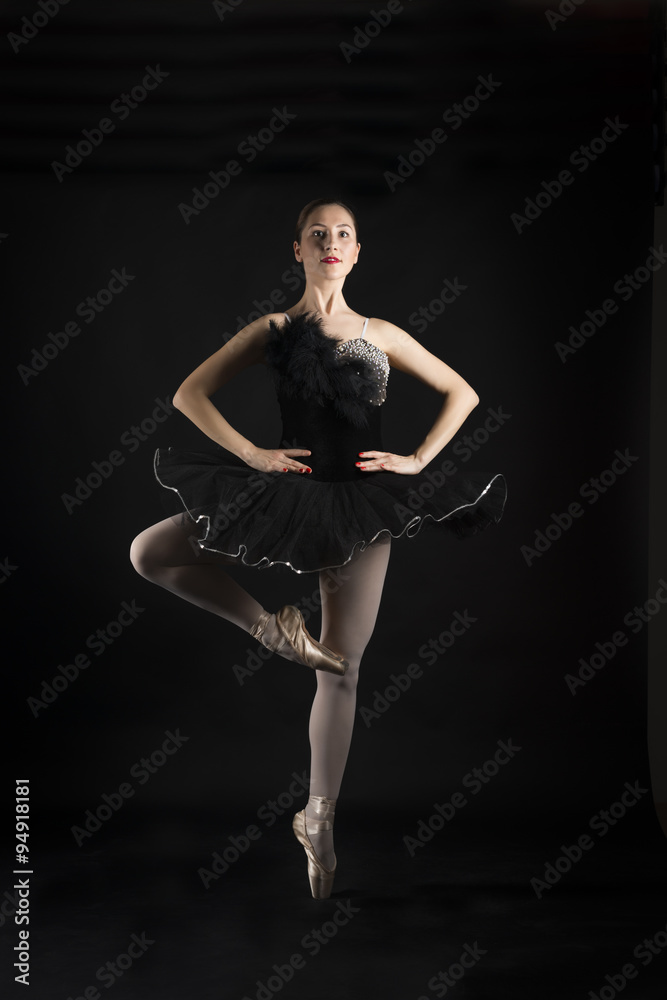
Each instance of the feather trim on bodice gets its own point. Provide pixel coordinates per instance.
(306, 362)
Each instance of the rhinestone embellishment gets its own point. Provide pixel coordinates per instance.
(375, 358)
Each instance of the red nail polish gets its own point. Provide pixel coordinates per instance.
(284, 470)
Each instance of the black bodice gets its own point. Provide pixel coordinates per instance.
(330, 394)
(335, 442)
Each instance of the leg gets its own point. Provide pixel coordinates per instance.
(167, 554)
(348, 618)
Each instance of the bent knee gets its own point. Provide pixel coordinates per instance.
(141, 556)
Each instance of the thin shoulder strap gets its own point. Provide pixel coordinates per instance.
(287, 317)
(363, 332)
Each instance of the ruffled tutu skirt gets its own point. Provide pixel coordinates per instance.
(309, 524)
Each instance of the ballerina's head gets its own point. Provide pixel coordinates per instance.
(326, 240)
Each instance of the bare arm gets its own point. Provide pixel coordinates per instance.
(246, 348)
(460, 399)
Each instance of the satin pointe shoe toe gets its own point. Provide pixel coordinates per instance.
(296, 643)
(290, 622)
(321, 878)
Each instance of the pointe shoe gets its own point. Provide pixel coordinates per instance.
(297, 640)
(321, 879)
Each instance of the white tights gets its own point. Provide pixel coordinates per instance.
(166, 553)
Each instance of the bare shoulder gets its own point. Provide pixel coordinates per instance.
(250, 340)
(408, 355)
(391, 339)
(278, 317)
(259, 327)
(244, 349)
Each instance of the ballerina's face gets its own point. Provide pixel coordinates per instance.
(328, 242)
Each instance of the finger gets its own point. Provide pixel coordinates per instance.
(374, 459)
(387, 466)
(294, 451)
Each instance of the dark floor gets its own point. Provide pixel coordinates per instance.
(393, 923)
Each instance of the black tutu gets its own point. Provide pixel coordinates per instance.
(330, 395)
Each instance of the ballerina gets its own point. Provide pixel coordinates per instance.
(334, 498)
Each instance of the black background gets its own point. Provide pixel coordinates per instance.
(197, 283)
